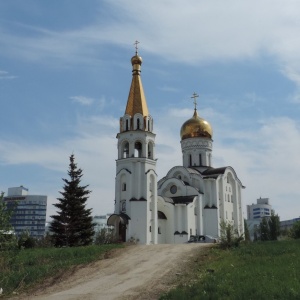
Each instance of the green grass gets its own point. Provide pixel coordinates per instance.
(266, 270)
(22, 269)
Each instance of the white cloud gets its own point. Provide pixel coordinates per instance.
(5, 75)
(82, 100)
(194, 32)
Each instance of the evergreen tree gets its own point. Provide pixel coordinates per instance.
(72, 226)
(274, 227)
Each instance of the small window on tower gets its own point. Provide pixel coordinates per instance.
(138, 124)
(124, 186)
(150, 228)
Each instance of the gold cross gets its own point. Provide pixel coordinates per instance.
(195, 101)
(136, 46)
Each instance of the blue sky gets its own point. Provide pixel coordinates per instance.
(65, 74)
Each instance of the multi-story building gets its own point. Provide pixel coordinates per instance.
(255, 213)
(259, 210)
(29, 211)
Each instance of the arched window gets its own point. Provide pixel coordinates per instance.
(190, 157)
(137, 149)
(200, 160)
(127, 125)
(138, 124)
(149, 129)
(125, 151)
(150, 150)
(124, 186)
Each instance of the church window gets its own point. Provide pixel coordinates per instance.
(138, 124)
(124, 186)
(127, 127)
(125, 153)
(150, 150)
(158, 230)
(123, 206)
(179, 177)
(190, 157)
(200, 160)
(149, 129)
(138, 149)
(149, 228)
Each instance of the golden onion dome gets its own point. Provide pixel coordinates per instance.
(195, 127)
(136, 60)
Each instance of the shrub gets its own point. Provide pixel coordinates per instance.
(229, 236)
(105, 236)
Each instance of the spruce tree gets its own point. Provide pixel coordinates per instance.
(73, 224)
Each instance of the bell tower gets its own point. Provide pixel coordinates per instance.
(196, 141)
(136, 179)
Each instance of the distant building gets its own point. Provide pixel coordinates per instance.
(259, 210)
(255, 213)
(29, 211)
(288, 224)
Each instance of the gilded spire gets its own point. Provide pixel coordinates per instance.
(136, 102)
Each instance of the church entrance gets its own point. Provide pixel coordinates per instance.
(122, 232)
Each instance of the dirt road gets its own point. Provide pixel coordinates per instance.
(136, 272)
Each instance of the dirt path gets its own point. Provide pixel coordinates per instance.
(136, 272)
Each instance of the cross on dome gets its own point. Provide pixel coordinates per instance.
(136, 46)
(195, 100)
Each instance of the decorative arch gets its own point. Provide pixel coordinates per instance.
(125, 149)
(150, 153)
(138, 149)
(138, 122)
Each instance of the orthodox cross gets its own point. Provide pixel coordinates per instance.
(195, 100)
(136, 46)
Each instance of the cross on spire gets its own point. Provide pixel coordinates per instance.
(136, 46)
(195, 100)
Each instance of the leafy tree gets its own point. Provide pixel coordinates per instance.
(274, 227)
(72, 226)
(264, 230)
(7, 237)
(247, 233)
(295, 231)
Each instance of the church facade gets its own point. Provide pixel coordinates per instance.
(192, 199)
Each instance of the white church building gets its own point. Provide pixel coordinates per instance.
(192, 199)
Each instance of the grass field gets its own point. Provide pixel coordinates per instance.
(21, 269)
(265, 270)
